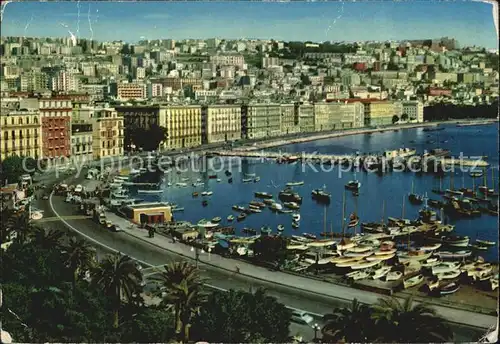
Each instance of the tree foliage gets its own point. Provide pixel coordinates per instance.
(242, 317)
(13, 167)
(388, 321)
(147, 139)
(395, 119)
(270, 249)
(443, 112)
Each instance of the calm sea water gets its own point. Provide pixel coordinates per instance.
(390, 188)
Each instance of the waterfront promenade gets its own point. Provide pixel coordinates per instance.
(301, 283)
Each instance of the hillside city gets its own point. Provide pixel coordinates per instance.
(79, 98)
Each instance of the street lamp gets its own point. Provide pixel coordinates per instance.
(196, 251)
(316, 328)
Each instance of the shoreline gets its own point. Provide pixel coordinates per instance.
(282, 141)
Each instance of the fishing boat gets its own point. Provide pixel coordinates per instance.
(207, 224)
(247, 180)
(431, 262)
(149, 191)
(256, 179)
(478, 247)
(364, 265)
(266, 230)
(230, 218)
(285, 211)
(296, 217)
(413, 255)
(456, 241)
(291, 205)
(204, 203)
(238, 208)
(413, 197)
(241, 217)
(295, 225)
(257, 204)
(207, 193)
(263, 195)
(353, 185)
(431, 247)
(381, 272)
(393, 275)
(276, 207)
(281, 228)
(445, 267)
(269, 201)
(247, 230)
(449, 288)
(413, 281)
(309, 236)
(358, 254)
(295, 183)
(321, 195)
(453, 255)
(255, 209)
(448, 275)
(288, 195)
(381, 257)
(359, 275)
(216, 219)
(381, 252)
(485, 242)
(432, 283)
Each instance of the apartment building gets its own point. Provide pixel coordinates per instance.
(381, 112)
(346, 115)
(414, 110)
(183, 124)
(289, 119)
(306, 118)
(221, 123)
(65, 81)
(261, 120)
(81, 142)
(55, 116)
(323, 116)
(20, 133)
(228, 60)
(107, 133)
(131, 91)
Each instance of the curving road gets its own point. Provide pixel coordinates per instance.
(296, 298)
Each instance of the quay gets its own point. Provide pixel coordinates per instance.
(347, 158)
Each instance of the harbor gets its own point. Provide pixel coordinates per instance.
(356, 230)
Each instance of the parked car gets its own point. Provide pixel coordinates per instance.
(302, 317)
(115, 228)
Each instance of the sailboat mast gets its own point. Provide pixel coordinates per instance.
(403, 209)
(343, 214)
(383, 212)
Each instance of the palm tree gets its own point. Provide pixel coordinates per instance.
(402, 322)
(20, 224)
(118, 274)
(46, 239)
(348, 324)
(183, 290)
(80, 258)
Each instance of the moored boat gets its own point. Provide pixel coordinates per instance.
(266, 230)
(238, 208)
(207, 224)
(448, 275)
(281, 228)
(453, 255)
(241, 217)
(449, 288)
(364, 265)
(230, 218)
(150, 191)
(263, 195)
(309, 236)
(291, 205)
(393, 276)
(216, 219)
(295, 183)
(321, 195)
(381, 272)
(485, 242)
(413, 281)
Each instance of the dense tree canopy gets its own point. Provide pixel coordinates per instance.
(443, 112)
(13, 167)
(147, 139)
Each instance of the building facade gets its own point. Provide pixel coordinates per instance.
(289, 119)
(131, 91)
(381, 112)
(183, 124)
(20, 133)
(55, 116)
(107, 133)
(81, 142)
(221, 123)
(414, 111)
(261, 120)
(347, 115)
(306, 118)
(323, 116)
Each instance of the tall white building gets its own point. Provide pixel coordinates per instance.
(414, 110)
(65, 81)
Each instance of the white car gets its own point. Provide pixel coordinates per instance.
(302, 317)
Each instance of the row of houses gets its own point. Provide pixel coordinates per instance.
(54, 127)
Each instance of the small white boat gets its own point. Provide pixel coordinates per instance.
(393, 275)
(432, 283)
(230, 218)
(385, 252)
(169, 184)
(358, 254)
(276, 206)
(241, 250)
(432, 247)
(413, 255)
(445, 267)
(182, 185)
(429, 263)
(448, 275)
(36, 215)
(150, 191)
(494, 283)
(207, 224)
(364, 265)
(380, 258)
(281, 228)
(358, 275)
(381, 272)
(206, 193)
(360, 249)
(296, 217)
(342, 259)
(218, 180)
(413, 281)
(295, 183)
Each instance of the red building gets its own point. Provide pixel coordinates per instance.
(56, 126)
(439, 92)
(359, 66)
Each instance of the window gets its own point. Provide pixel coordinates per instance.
(20, 121)
(12, 121)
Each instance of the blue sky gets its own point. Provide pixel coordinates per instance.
(469, 22)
